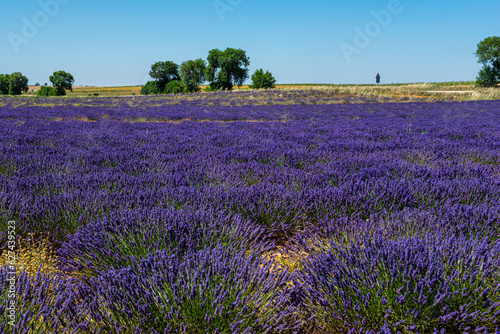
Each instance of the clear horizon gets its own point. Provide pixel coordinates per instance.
(114, 43)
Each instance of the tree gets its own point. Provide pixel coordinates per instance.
(226, 68)
(488, 54)
(164, 72)
(262, 80)
(18, 83)
(192, 74)
(487, 77)
(62, 81)
(4, 84)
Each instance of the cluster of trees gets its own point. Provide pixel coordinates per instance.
(61, 81)
(488, 54)
(223, 70)
(13, 84)
(16, 84)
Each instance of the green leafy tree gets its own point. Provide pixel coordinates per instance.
(488, 54)
(163, 72)
(174, 87)
(150, 88)
(226, 68)
(262, 80)
(62, 81)
(487, 77)
(192, 73)
(18, 83)
(4, 84)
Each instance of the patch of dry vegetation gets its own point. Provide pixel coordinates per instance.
(457, 91)
(32, 256)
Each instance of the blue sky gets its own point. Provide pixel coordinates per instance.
(114, 42)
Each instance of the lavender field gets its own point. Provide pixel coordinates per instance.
(270, 212)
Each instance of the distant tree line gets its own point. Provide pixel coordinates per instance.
(223, 70)
(488, 54)
(16, 84)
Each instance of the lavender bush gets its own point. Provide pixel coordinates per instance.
(43, 304)
(117, 239)
(207, 291)
(415, 284)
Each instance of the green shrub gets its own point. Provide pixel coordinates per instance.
(47, 91)
(262, 80)
(192, 89)
(174, 87)
(150, 88)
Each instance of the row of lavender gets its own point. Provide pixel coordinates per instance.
(167, 226)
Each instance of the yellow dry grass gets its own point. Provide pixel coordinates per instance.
(32, 257)
(286, 260)
(105, 91)
(435, 91)
(461, 91)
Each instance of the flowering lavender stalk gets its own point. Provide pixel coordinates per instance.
(206, 291)
(43, 304)
(415, 284)
(117, 239)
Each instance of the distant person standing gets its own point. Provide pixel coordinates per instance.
(377, 78)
